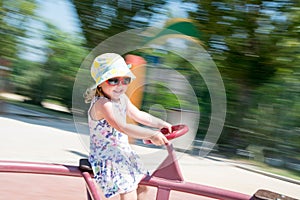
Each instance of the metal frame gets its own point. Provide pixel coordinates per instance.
(166, 178)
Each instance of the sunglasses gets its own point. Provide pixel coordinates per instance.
(116, 81)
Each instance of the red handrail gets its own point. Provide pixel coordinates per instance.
(39, 168)
(160, 183)
(197, 189)
(93, 194)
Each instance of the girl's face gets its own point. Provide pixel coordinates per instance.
(115, 87)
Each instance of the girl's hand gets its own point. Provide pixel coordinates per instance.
(159, 139)
(167, 126)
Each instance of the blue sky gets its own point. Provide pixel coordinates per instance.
(61, 13)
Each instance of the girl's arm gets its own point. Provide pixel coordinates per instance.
(103, 108)
(145, 118)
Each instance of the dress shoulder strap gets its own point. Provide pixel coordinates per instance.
(94, 100)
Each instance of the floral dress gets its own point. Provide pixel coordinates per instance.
(117, 168)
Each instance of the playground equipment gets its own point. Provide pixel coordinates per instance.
(28, 180)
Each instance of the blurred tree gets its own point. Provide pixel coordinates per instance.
(248, 41)
(65, 55)
(13, 18)
(102, 19)
(278, 112)
(54, 78)
(26, 78)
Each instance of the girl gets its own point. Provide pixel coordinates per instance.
(117, 168)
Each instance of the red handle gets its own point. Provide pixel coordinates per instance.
(177, 131)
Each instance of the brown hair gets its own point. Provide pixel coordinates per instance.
(91, 93)
(99, 92)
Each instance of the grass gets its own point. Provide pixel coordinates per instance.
(274, 170)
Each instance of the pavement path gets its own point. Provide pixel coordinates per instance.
(51, 140)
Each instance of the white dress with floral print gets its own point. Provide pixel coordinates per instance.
(117, 168)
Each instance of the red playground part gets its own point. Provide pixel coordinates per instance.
(177, 131)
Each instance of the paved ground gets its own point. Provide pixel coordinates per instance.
(46, 139)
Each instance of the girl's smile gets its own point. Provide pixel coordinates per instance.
(119, 92)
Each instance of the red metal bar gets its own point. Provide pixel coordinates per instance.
(181, 186)
(197, 189)
(91, 186)
(163, 193)
(39, 168)
(169, 169)
(50, 169)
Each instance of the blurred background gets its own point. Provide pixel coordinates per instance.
(255, 45)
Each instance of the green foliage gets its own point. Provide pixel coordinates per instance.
(166, 98)
(13, 18)
(28, 83)
(256, 48)
(54, 78)
(102, 19)
(64, 59)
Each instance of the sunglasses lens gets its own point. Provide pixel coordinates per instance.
(126, 80)
(113, 81)
(116, 81)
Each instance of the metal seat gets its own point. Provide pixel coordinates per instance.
(85, 165)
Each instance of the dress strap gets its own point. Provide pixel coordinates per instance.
(94, 100)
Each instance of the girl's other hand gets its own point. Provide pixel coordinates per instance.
(159, 139)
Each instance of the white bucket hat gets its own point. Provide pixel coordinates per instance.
(109, 65)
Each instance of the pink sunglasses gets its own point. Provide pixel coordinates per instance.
(116, 81)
